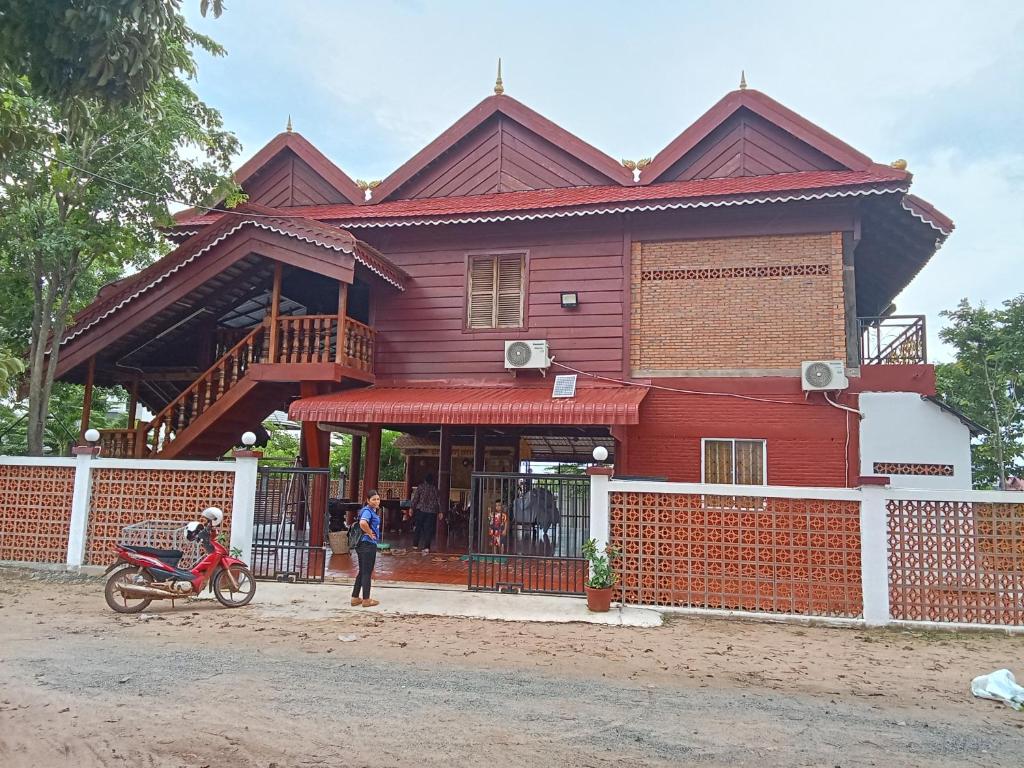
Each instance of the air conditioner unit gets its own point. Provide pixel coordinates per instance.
(527, 354)
(823, 375)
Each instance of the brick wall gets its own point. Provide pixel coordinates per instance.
(806, 444)
(736, 303)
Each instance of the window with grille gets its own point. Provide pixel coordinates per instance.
(734, 462)
(496, 291)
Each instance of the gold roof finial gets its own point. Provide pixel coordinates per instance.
(499, 88)
(289, 126)
(899, 165)
(743, 80)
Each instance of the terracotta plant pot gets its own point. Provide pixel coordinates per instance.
(599, 600)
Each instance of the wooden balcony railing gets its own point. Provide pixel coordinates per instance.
(297, 339)
(305, 339)
(118, 443)
(358, 349)
(314, 339)
(893, 340)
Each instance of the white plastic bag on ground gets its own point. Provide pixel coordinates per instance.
(999, 686)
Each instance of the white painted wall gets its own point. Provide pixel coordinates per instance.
(904, 427)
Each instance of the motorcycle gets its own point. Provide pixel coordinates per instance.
(141, 575)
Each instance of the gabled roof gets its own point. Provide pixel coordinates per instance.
(768, 109)
(514, 110)
(578, 201)
(116, 295)
(291, 142)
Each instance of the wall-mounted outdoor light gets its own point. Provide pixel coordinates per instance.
(570, 300)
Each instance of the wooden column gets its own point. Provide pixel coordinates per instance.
(444, 475)
(408, 478)
(133, 402)
(478, 449)
(339, 347)
(371, 476)
(355, 468)
(516, 457)
(850, 302)
(90, 375)
(275, 306)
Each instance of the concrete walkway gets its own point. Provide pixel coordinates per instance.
(311, 601)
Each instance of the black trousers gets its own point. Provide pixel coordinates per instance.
(423, 527)
(366, 551)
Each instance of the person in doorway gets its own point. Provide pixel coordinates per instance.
(426, 504)
(366, 549)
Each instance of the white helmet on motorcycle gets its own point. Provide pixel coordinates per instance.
(214, 515)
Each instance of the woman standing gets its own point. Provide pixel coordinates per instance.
(366, 549)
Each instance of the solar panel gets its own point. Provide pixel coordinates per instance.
(565, 386)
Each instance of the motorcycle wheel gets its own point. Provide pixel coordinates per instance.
(226, 593)
(119, 602)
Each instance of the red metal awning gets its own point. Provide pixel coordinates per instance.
(592, 406)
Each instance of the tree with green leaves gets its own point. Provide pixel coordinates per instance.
(986, 382)
(10, 366)
(87, 189)
(84, 55)
(60, 432)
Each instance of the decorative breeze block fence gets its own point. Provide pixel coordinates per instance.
(874, 553)
(35, 511)
(73, 511)
(784, 555)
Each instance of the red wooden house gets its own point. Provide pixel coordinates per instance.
(686, 299)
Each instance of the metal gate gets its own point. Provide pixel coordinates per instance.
(289, 524)
(540, 548)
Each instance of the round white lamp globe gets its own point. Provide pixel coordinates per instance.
(600, 453)
(92, 435)
(248, 439)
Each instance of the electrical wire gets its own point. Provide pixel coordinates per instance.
(684, 391)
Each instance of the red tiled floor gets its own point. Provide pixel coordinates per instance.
(442, 566)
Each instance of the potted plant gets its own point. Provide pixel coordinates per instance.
(602, 579)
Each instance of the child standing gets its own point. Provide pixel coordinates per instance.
(499, 527)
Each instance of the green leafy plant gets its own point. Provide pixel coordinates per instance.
(601, 574)
(222, 537)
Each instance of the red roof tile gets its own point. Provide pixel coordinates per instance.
(472, 405)
(583, 197)
(117, 294)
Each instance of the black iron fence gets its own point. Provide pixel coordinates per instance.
(893, 340)
(289, 524)
(526, 533)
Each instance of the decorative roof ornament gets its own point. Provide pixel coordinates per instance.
(899, 165)
(636, 166)
(288, 127)
(368, 187)
(499, 87)
(743, 80)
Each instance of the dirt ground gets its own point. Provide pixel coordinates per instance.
(199, 685)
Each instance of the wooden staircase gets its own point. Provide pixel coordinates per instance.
(209, 417)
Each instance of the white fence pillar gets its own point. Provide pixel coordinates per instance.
(243, 503)
(82, 494)
(874, 555)
(599, 511)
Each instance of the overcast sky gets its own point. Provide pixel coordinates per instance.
(936, 83)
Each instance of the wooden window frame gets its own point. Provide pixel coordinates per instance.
(733, 441)
(524, 255)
